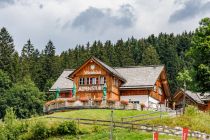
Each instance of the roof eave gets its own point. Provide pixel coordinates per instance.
(61, 89)
(137, 87)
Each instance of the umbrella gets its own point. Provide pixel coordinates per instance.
(74, 90)
(57, 92)
(104, 89)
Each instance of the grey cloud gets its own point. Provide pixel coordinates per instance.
(101, 19)
(4, 3)
(191, 9)
(41, 6)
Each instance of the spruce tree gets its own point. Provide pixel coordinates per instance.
(150, 56)
(26, 58)
(6, 51)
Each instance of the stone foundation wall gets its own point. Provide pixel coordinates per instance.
(174, 131)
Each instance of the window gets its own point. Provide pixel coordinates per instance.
(82, 81)
(160, 91)
(97, 82)
(91, 79)
(102, 80)
(155, 88)
(88, 81)
(115, 82)
(94, 81)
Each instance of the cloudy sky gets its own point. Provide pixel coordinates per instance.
(71, 22)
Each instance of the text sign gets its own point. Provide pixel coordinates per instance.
(92, 72)
(89, 88)
(184, 133)
(155, 136)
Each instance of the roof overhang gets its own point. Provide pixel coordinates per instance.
(61, 89)
(180, 93)
(97, 61)
(137, 87)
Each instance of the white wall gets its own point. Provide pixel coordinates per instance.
(153, 103)
(141, 98)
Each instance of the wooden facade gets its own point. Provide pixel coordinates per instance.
(146, 85)
(192, 98)
(92, 69)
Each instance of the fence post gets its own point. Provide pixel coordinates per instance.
(160, 112)
(111, 129)
(78, 123)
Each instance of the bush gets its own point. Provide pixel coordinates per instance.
(191, 111)
(39, 131)
(67, 128)
(11, 125)
(96, 128)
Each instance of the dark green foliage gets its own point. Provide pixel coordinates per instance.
(27, 58)
(24, 97)
(6, 52)
(200, 52)
(67, 128)
(150, 56)
(5, 82)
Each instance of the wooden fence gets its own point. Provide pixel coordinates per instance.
(118, 124)
(135, 126)
(125, 122)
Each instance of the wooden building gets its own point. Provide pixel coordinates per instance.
(146, 85)
(200, 100)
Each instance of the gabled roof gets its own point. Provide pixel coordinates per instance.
(204, 96)
(108, 68)
(140, 76)
(63, 82)
(195, 96)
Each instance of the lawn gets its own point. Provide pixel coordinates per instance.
(101, 114)
(193, 119)
(118, 134)
(55, 129)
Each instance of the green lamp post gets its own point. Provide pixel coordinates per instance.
(74, 90)
(57, 92)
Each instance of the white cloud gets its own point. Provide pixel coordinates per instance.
(41, 20)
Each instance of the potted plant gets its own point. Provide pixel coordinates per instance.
(124, 103)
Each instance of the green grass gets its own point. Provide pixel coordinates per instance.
(118, 134)
(193, 119)
(198, 122)
(103, 114)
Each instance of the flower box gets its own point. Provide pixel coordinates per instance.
(123, 102)
(71, 100)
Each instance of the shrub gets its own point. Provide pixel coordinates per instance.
(39, 131)
(11, 125)
(67, 127)
(96, 128)
(2, 132)
(191, 111)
